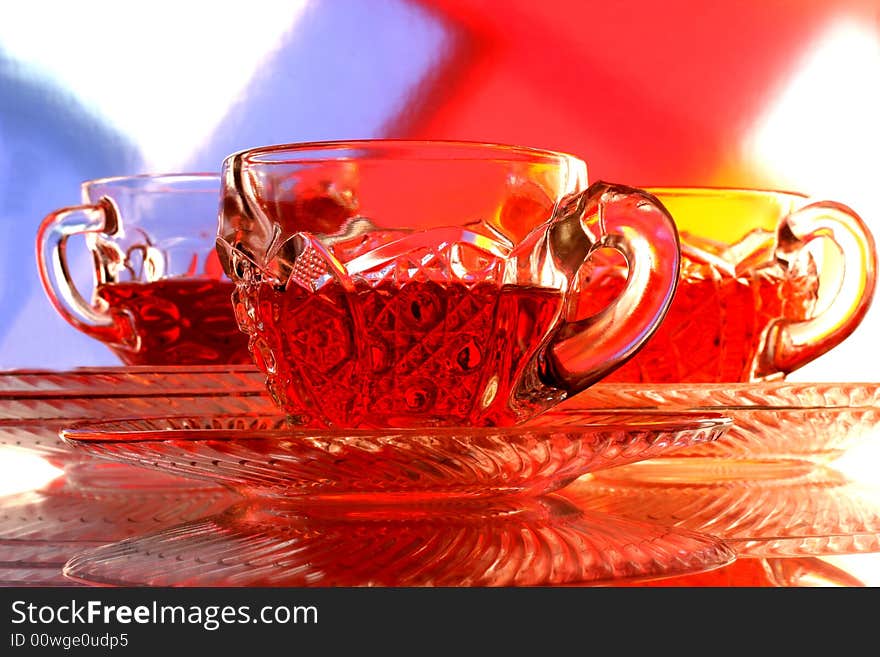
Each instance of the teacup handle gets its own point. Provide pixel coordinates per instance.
(52, 237)
(791, 344)
(636, 224)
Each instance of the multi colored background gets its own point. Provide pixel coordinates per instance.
(770, 93)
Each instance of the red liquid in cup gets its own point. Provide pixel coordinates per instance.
(716, 323)
(172, 321)
(421, 353)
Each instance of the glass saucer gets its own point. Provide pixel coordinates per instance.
(266, 456)
(793, 508)
(130, 381)
(511, 541)
(771, 420)
(36, 404)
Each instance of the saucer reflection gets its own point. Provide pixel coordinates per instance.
(542, 541)
(782, 509)
(759, 572)
(89, 506)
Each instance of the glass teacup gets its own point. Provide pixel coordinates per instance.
(769, 282)
(389, 283)
(161, 296)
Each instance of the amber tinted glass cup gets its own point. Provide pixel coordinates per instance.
(770, 281)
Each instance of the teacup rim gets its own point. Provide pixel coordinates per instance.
(718, 190)
(136, 178)
(252, 154)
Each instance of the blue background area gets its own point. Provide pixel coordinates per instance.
(345, 70)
